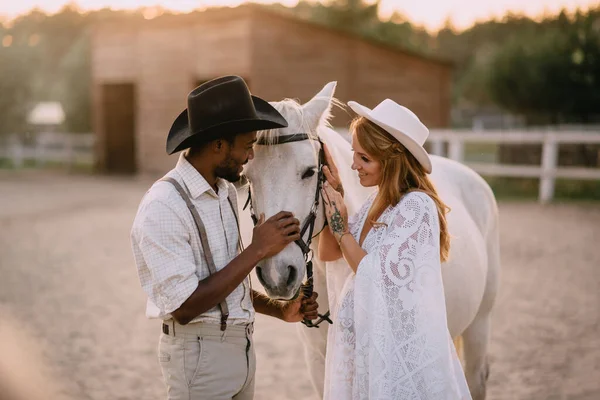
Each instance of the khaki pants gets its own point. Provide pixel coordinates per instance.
(199, 361)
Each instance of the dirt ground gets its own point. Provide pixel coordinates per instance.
(69, 293)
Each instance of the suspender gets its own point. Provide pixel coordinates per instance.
(204, 240)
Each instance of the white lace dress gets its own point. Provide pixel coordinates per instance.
(390, 338)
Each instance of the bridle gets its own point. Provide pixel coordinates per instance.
(309, 223)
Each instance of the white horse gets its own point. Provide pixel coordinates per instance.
(284, 177)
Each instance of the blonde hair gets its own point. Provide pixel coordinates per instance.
(401, 173)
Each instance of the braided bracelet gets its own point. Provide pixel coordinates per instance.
(340, 239)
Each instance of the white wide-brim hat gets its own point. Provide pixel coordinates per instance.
(402, 124)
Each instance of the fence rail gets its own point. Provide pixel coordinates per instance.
(547, 172)
(68, 149)
(72, 149)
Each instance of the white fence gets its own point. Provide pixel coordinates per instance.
(44, 148)
(547, 172)
(78, 149)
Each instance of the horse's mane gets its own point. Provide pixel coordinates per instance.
(294, 112)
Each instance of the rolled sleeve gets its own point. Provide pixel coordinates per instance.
(168, 270)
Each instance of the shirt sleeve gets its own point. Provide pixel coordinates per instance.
(163, 241)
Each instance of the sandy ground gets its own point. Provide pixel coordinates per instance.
(68, 285)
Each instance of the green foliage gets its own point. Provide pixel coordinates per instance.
(361, 18)
(349, 15)
(16, 70)
(548, 70)
(554, 73)
(48, 60)
(528, 188)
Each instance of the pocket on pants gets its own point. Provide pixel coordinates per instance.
(222, 370)
(168, 349)
(170, 358)
(163, 357)
(180, 360)
(193, 353)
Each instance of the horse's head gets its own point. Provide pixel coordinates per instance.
(284, 176)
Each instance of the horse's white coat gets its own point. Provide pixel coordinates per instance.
(470, 276)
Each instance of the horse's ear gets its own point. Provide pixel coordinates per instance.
(318, 109)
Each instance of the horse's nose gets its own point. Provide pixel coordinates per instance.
(279, 284)
(292, 274)
(260, 276)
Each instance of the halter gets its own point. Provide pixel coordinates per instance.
(309, 222)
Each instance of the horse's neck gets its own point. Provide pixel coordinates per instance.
(320, 224)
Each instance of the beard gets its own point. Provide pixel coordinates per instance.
(228, 170)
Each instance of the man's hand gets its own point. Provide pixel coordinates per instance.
(301, 308)
(271, 236)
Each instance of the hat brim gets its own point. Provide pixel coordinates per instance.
(181, 137)
(411, 145)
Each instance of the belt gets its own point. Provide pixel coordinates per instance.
(172, 328)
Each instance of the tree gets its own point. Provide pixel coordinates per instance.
(47, 60)
(507, 62)
(16, 71)
(352, 15)
(552, 75)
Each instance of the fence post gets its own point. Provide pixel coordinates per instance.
(40, 150)
(16, 151)
(548, 176)
(456, 150)
(437, 147)
(69, 140)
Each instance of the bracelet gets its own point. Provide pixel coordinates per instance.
(340, 239)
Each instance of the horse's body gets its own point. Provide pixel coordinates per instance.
(278, 176)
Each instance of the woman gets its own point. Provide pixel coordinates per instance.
(390, 338)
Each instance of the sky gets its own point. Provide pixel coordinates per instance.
(430, 13)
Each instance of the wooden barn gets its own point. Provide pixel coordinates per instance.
(142, 73)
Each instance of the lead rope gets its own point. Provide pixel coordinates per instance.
(308, 286)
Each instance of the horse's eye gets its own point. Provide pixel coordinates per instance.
(308, 173)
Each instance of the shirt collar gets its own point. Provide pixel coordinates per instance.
(196, 183)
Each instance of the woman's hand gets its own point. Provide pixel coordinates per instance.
(331, 172)
(335, 211)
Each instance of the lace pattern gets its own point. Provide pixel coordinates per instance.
(390, 339)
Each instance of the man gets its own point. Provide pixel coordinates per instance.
(186, 245)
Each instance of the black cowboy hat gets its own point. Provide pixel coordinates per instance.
(220, 108)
